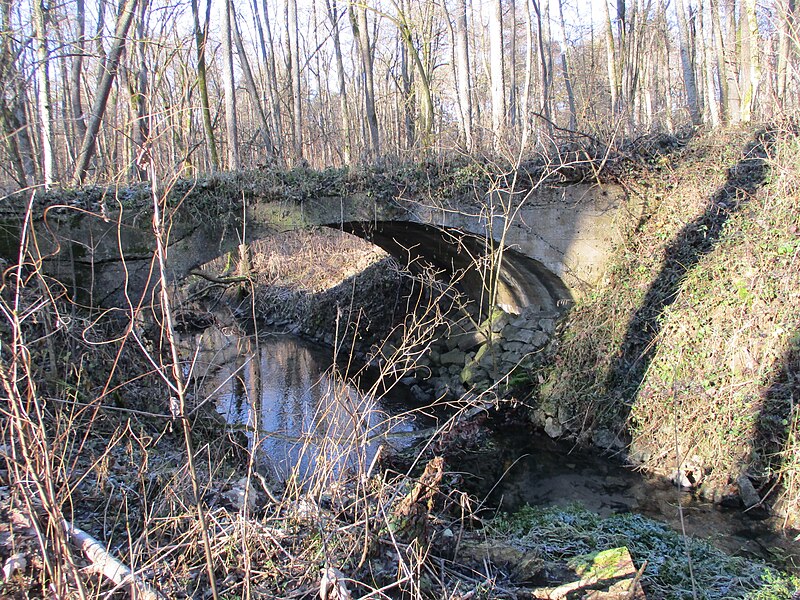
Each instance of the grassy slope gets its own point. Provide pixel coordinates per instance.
(693, 337)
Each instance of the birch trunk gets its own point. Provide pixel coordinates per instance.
(43, 94)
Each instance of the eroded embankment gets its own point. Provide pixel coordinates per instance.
(687, 355)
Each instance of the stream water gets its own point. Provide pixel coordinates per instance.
(288, 398)
(523, 468)
(285, 394)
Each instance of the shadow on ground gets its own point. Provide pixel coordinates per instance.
(776, 438)
(694, 241)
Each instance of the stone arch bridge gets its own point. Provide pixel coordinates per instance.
(556, 240)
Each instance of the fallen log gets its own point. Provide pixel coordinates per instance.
(108, 566)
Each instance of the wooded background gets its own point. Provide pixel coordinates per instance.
(94, 92)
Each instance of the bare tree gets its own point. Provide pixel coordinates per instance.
(573, 113)
(43, 93)
(750, 59)
(333, 16)
(293, 57)
(786, 29)
(358, 21)
(422, 80)
(124, 20)
(252, 89)
(135, 81)
(12, 112)
(708, 70)
(734, 107)
(463, 80)
(231, 126)
(544, 89)
(272, 74)
(497, 72)
(200, 36)
(611, 59)
(687, 66)
(719, 54)
(77, 68)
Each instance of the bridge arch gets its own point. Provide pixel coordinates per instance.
(524, 283)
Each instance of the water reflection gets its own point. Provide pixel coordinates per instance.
(293, 403)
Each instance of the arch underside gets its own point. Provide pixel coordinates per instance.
(524, 283)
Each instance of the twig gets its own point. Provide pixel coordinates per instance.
(635, 581)
(219, 280)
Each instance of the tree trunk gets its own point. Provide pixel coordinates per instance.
(200, 36)
(43, 93)
(497, 73)
(333, 16)
(250, 82)
(231, 125)
(358, 20)
(513, 117)
(573, 113)
(711, 89)
(732, 63)
(138, 88)
(426, 99)
(544, 92)
(124, 20)
(689, 80)
(76, 71)
(785, 30)
(272, 72)
(719, 52)
(407, 101)
(526, 91)
(751, 35)
(463, 75)
(665, 68)
(294, 67)
(611, 56)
